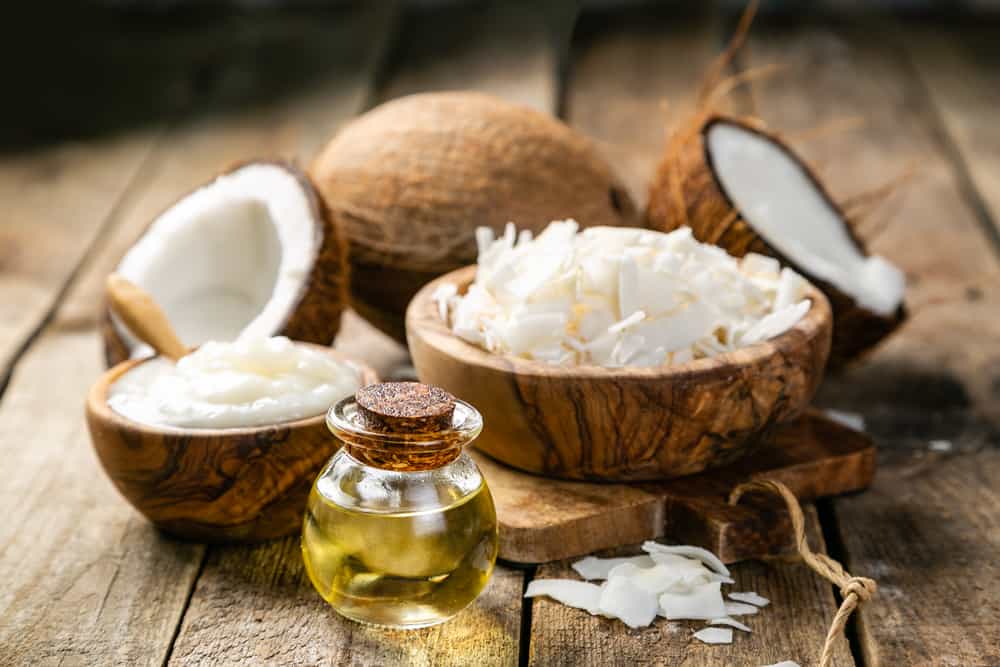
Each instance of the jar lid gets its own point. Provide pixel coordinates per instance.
(405, 407)
(404, 425)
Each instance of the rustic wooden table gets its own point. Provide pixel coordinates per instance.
(85, 580)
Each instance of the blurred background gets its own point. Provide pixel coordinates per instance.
(83, 68)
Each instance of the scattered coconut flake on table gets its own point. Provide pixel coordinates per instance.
(750, 598)
(704, 555)
(940, 445)
(621, 598)
(715, 635)
(786, 663)
(598, 568)
(676, 582)
(579, 594)
(619, 296)
(740, 609)
(849, 419)
(731, 622)
(701, 603)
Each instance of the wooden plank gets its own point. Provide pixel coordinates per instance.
(458, 48)
(63, 194)
(792, 627)
(90, 581)
(548, 519)
(633, 74)
(929, 532)
(925, 522)
(257, 606)
(965, 102)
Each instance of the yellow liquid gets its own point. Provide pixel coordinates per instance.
(406, 569)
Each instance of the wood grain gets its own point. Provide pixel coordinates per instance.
(966, 104)
(65, 194)
(256, 606)
(212, 485)
(622, 424)
(929, 531)
(543, 519)
(792, 627)
(90, 581)
(634, 74)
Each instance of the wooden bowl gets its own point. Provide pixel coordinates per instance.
(213, 485)
(597, 423)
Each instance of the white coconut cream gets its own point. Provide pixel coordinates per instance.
(250, 382)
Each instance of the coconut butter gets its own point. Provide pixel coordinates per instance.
(251, 382)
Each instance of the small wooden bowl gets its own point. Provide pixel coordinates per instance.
(619, 424)
(213, 485)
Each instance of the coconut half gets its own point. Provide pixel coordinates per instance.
(250, 254)
(745, 190)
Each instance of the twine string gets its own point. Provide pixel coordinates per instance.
(853, 590)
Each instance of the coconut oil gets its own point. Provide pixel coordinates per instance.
(400, 528)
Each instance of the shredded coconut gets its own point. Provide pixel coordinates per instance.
(618, 296)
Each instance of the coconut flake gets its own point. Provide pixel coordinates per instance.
(740, 609)
(715, 636)
(619, 297)
(569, 592)
(733, 623)
(592, 567)
(702, 603)
(784, 663)
(851, 420)
(704, 555)
(750, 598)
(624, 600)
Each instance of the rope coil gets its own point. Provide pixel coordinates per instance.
(853, 590)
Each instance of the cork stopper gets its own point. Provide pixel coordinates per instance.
(409, 426)
(405, 407)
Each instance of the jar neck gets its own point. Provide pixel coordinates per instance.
(403, 451)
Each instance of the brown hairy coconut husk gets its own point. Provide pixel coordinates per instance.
(410, 181)
(253, 249)
(687, 190)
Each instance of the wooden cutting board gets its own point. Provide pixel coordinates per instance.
(544, 519)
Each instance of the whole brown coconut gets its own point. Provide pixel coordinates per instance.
(253, 249)
(410, 181)
(687, 190)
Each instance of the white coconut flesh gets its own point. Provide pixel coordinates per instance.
(775, 195)
(230, 259)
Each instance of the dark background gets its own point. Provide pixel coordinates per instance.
(87, 68)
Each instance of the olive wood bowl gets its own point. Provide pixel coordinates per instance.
(590, 422)
(213, 485)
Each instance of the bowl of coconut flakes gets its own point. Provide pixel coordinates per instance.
(615, 353)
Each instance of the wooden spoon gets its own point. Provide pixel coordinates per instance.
(143, 316)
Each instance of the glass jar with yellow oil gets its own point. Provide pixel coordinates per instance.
(400, 529)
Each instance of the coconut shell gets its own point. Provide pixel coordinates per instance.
(685, 191)
(315, 314)
(411, 180)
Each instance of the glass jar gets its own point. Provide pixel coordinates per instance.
(400, 529)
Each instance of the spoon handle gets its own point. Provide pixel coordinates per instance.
(143, 316)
